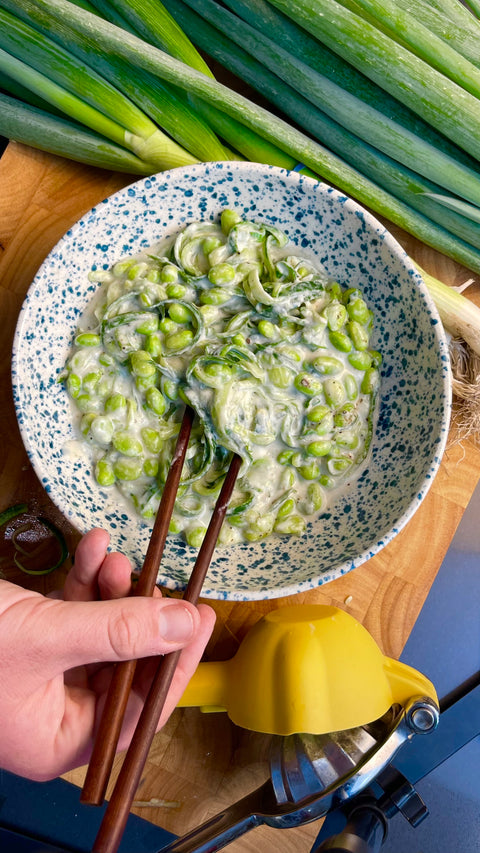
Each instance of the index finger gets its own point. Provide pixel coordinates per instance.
(81, 583)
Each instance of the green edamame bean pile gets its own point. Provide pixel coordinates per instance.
(273, 356)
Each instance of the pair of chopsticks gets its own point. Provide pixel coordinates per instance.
(103, 754)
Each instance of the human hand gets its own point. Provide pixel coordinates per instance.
(57, 657)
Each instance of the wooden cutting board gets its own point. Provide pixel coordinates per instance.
(200, 763)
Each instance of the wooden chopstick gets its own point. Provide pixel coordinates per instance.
(103, 754)
(118, 809)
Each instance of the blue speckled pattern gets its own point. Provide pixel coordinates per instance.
(414, 411)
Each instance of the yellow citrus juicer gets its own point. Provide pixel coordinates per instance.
(306, 668)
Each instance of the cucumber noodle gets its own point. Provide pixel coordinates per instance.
(270, 352)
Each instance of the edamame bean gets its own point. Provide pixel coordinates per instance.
(126, 468)
(325, 425)
(87, 339)
(262, 527)
(317, 413)
(310, 471)
(293, 525)
(327, 481)
(228, 219)
(138, 270)
(281, 377)
(169, 388)
(351, 387)
(334, 288)
(308, 384)
(153, 275)
(153, 345)
(358, 334)
(102, 429)
(334, 391)
(215, 296)
(335, 315)
(315, 496)
(338, 465)
(167, 326)
(169, 274)
(144, 382)
(340, 341)
(121, 267)
(115, 403)
(151, 439)
(106, 359)
(149, 324)
(210, 244)
(86, 422)
(126, 443)
(221, 274)
(360, 360)
(195, 536)
(141, 364)
(179, 313)
(267, 329)
(179, 340)
(104, 473)
(345, 416)
(285, 457)
(319, 448)
(155, 400)
(327, 364)
(150, 467)
(87, 403)
(347, 438)
(74, 384)
(357, 310)
(176, 291)
(370, 381)
(285, 508)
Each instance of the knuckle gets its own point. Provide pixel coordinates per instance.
(125, 633)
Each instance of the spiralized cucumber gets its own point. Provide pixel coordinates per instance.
(273, 356)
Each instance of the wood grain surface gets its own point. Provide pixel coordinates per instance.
(200, 763)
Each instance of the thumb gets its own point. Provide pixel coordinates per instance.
(77, 633)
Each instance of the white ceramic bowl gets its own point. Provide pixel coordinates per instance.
(414, 407)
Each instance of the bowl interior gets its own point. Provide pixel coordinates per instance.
(414, 405)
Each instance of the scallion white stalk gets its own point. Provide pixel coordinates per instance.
(59, 78)
(459, 315)
(39, 129)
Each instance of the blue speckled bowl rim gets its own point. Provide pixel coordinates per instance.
(396, 250)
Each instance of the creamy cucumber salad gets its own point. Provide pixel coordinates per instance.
(271, 353)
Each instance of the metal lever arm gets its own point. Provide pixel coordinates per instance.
(227, 825)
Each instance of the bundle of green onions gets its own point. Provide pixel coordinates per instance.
(380, 105)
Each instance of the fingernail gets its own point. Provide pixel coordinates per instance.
(176, 624)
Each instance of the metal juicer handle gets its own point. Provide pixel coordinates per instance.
(262, 806)
(227, 825)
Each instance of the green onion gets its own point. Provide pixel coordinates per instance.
(459, 315)
(358, 117)
(426, 44)
(457, 205)
(54, 74)
(56, 135)
(274, 129)
(152, 22)
(35, 553)
(435, 97)
(12, 512)
(15, 511)
(462, 36)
